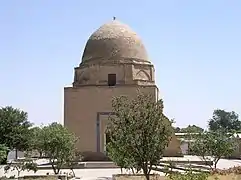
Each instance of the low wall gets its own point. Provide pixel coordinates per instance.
(44, 177)
(98, 156)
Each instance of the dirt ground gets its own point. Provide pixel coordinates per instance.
(227, 177)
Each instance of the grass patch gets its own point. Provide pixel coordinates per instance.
(202, 176)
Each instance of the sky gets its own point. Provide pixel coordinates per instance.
(195, 47)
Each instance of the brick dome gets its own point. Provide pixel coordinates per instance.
(114, 41)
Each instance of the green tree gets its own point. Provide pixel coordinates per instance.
(189, 129)
(192, 129)
(58, 145)
(36, 140)
(212, 146)
(177, 129)
(227, 121)
(14, 128)
(139, 132)
(21, 165)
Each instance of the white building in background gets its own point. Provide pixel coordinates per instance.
(187, 138)
(12, 155)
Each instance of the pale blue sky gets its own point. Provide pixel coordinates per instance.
(195, 46)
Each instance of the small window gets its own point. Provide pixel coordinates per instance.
(111, 79)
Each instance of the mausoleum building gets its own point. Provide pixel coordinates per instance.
(115, 62)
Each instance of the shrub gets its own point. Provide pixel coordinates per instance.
(188, 175)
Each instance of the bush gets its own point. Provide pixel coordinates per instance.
(189, 175)
(234, 170)
(21, 165)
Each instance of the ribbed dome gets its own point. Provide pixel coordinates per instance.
(114, 41)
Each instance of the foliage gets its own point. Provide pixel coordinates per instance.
(233, 170)
(226, 174)
(228, 121)
(213, 146)
(58, 144)
(122, 159)
(14, 128)
(188, 175)
(4, 178)
(139, 132)
(21, 165)
(177, 129)
(73, 161)
(36, 140)
(3, 152)
(189, 129)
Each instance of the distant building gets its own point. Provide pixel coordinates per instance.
(12, 155)
(187, 138)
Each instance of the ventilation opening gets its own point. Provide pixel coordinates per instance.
(111, 79)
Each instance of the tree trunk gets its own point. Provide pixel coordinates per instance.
(132, 169)
(73, 172)
(147, 176)
(54, 169)
(145, 171)
(40, 154)
(215, 165)
(16, 154)
(19, 171)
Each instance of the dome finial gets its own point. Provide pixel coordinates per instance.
(114, 18)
